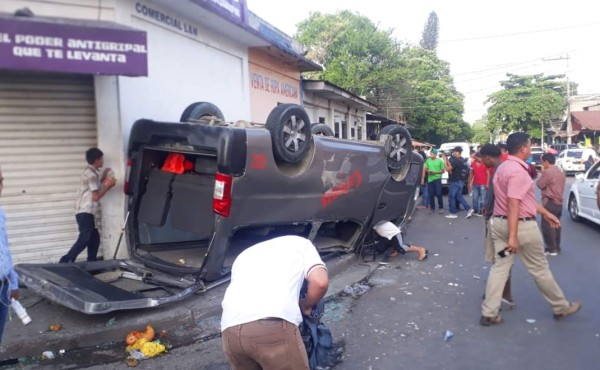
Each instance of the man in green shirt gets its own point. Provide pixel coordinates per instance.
(434, 168)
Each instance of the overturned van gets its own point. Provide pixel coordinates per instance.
(202, 190)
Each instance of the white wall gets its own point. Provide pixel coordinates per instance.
(110, 141)
(181, 70)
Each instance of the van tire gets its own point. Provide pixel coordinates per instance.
(398, 147)
(321, 129)
(196, 111)
(291, 134)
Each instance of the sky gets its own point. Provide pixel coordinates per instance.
(482, 40)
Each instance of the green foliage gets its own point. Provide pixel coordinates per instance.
(481, 132)
(429, 37)
(404, 81)
(525, 103)
(431, 101)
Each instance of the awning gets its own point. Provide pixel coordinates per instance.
(416, 143)
(589, 120)
(71, 46)
(564, 134)
(330, 91)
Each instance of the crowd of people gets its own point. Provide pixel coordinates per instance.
(501, 182)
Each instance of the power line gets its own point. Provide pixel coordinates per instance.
(519, 33)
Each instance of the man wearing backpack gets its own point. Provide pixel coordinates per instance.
(459, 175)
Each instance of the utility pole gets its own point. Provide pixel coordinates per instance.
(565, 57)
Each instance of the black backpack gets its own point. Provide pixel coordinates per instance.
(463, 172)
(317, 338)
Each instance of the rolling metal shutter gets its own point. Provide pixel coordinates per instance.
(47, 122)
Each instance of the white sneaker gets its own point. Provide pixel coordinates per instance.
(469, 213)
(451, 215)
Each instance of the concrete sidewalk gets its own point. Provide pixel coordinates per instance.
(80, 330)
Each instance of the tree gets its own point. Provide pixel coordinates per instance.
(430, 100)
(407, 81)
(357, 56)
(429, 37)
(526, 103)
(481, 132)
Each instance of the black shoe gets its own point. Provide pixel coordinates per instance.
(488, 321)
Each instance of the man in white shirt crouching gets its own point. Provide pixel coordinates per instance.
(261, 307)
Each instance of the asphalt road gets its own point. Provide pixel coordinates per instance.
(401, 319)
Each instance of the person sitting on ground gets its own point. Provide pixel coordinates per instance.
(392, 233)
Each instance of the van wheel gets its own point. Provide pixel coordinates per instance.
(321, 129)
(398, 147)
(290, 130)
(198, 110)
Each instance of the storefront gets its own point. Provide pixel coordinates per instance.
(83, 79)
(48, 119)
(344, 112)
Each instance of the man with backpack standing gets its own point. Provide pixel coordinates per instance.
(459, 175)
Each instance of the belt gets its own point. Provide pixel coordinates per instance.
(520, 218)
(271, 319)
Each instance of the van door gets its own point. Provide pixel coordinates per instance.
(105, 286)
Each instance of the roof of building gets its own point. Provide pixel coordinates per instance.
(589, 120)
(330, 91)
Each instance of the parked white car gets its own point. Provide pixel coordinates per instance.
(582, 197)
(572, 160)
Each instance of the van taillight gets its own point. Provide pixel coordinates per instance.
(127, 173)
(222, 195)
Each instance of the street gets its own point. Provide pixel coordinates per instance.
(408, 306)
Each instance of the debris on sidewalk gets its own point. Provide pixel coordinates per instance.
(141, 345)
(111, 322)
(530, 321)
(476, 277)
(48, 355)
(55, 327)
(356, 290)
(448, 335)
(450, 242)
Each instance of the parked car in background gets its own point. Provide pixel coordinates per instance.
(571, 161)
(583, 201)
(536, 156)
(202, 190)
(560, 147)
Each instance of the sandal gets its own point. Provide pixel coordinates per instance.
(424, 256)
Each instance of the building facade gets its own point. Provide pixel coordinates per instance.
(78, 73)
(344, 112)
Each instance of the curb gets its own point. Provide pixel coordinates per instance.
(80, 330)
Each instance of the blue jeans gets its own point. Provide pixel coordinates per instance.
(455, 189)
(424, 195)
(478, 197)
(435, 190)
(4, 303)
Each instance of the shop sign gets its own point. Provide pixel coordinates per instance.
(73, 46)
(235, 11)
(273, 86)
(165, 19)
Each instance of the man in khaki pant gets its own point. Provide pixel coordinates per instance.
(515, 230)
